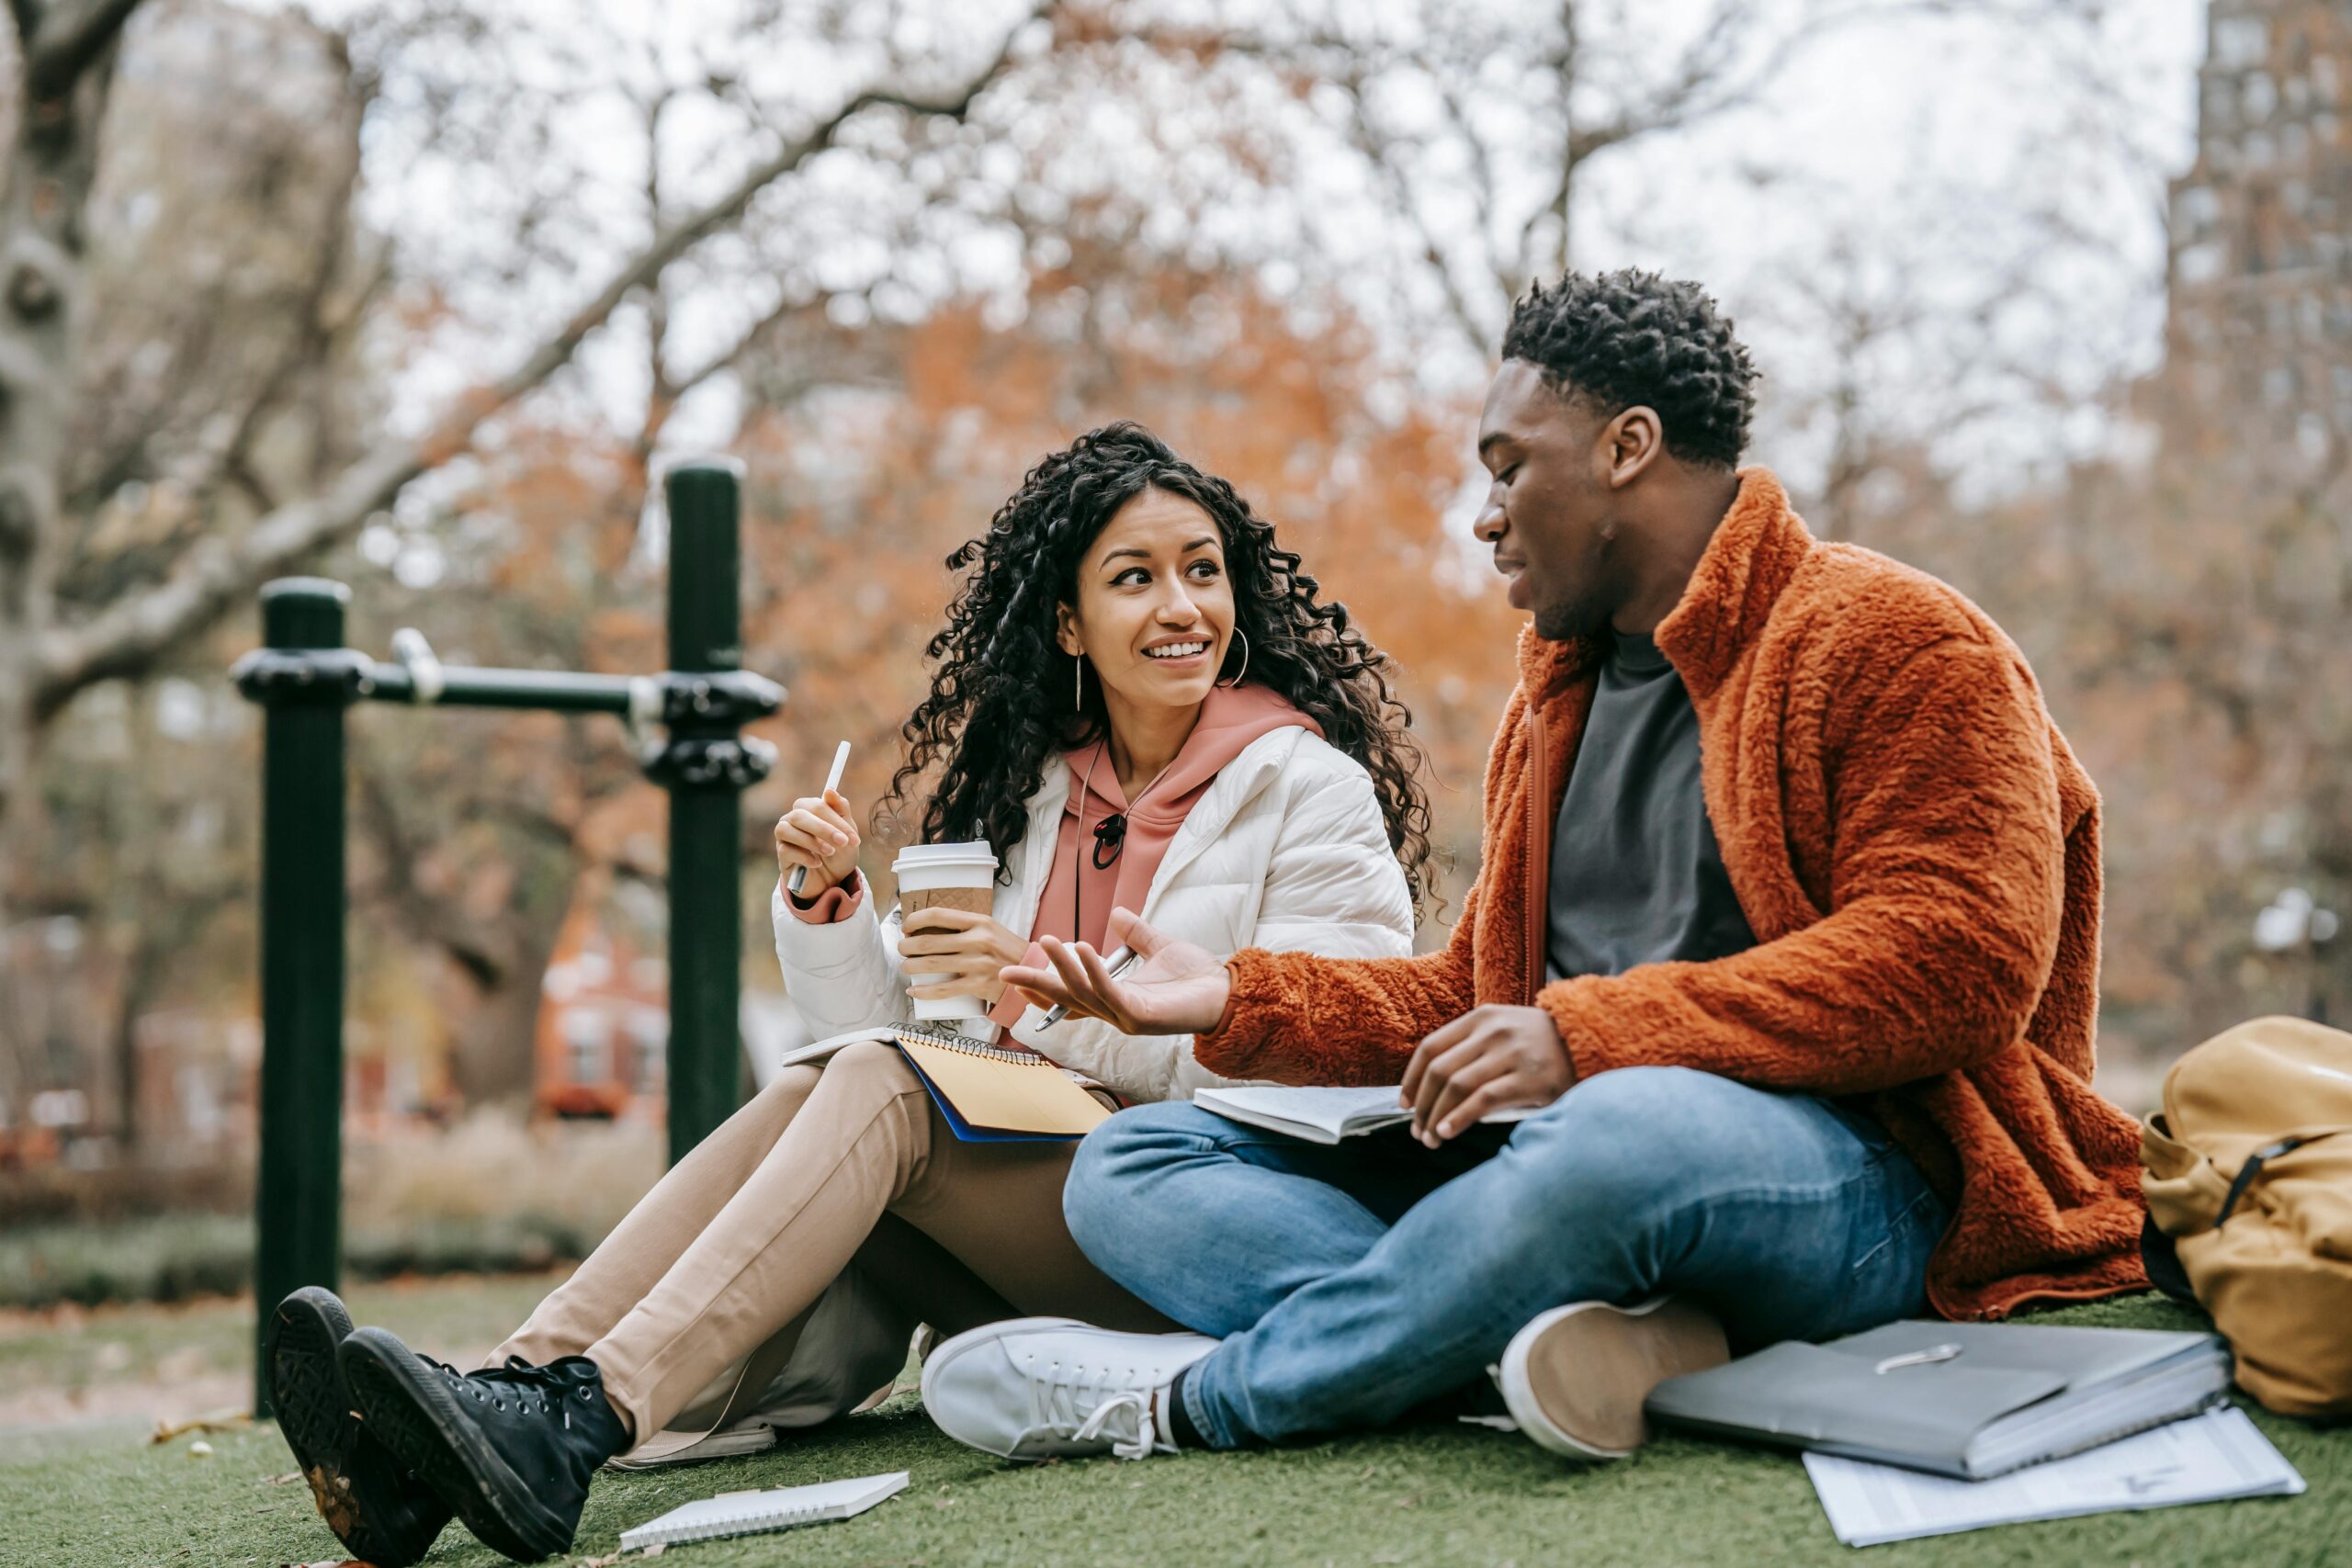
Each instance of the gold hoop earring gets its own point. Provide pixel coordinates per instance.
(1245, 659)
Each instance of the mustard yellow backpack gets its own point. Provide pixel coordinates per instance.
(2249, 1183)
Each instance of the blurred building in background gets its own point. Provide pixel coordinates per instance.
(604, 1027)
(2261, 303)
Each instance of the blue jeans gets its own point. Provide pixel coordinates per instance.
(1351, 1284)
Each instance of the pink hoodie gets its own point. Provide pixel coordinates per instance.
(1078, 896)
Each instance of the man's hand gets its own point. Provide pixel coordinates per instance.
(1176, 988)
(1489, 1057)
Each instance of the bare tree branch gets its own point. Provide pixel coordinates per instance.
(66, 39)
(485, 955)
(128, 636)
(1380, 151)
(225, 445)
(26, 16)
(728, 358)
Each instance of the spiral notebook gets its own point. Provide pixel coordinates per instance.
(986, 1094)
(753, 1513)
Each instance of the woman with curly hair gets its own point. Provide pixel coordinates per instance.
(1140, 700)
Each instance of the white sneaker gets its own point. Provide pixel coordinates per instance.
(1040, 1388)
(1575, 1378)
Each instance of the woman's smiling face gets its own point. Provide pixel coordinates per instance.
(1154, 608)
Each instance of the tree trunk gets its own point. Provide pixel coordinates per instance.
(493, 1058)
(51, 162)
(142, 981)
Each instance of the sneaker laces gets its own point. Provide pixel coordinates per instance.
(522, 1376)
(1056, 1398)
(1135, 1405)
(518, 1370)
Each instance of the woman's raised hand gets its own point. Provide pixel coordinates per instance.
(971, 949)
(1174, 989)
(818, 833)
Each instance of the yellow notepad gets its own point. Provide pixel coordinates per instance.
(984, 1093)
(1003, 1091)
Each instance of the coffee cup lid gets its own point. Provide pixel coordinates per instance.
(976, 852)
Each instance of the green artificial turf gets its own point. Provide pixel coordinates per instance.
(1425, 1495)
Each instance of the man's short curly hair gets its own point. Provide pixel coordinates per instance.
(1633, 339)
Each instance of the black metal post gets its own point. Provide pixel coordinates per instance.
(705, 768)
(304, 678)
(299, 1203)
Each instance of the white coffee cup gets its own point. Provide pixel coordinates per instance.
(959, 876)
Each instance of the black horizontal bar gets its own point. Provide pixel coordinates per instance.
(464, 686)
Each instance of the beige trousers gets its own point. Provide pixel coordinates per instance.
(843, 1169)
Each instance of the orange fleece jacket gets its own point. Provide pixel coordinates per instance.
(1916, 851)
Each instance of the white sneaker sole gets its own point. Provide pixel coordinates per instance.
(1575, 1377)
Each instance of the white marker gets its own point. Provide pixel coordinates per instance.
(832, 783)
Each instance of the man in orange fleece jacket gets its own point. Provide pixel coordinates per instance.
(1786, 927)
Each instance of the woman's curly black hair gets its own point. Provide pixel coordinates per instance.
(1000, 711)
(1627, 338)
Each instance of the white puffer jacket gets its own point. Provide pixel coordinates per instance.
(1286, 849)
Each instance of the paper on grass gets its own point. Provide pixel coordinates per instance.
(2205, 1459)
(753, 1513)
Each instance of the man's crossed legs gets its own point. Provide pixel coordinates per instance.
(1345, 1286)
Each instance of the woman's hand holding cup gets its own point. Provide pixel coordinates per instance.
(817, 833)
(966, 948)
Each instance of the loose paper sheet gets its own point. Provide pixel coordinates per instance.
(2201, 1460)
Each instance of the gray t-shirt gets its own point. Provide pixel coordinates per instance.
(1636, 877)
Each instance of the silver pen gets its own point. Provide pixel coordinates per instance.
(1123, 958)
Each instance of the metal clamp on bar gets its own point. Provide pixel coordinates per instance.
(644, 701)
(426, 680)
(642, 720)
(335, 677)
(725, 761)
(716, 697)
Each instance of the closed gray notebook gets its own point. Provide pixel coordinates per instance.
(1969, 1400)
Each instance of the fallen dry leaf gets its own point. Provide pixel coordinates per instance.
(219, 1421)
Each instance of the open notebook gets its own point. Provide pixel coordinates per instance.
(752, 1513)
(986, 1095)
(1322, 1115)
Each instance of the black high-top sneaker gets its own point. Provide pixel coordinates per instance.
(509, 1451)
(380, 1513)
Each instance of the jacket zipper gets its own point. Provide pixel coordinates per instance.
(1537, 896)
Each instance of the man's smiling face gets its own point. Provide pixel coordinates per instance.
(1549, 513)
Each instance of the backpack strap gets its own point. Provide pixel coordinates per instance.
(2161, 1258)
(2249, 1170)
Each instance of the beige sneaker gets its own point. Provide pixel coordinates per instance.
(1575, 1377)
